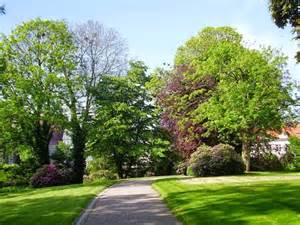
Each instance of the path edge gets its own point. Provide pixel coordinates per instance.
(178, 222)
(80, 220)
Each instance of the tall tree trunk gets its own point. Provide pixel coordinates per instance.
(42, 138)
(120, 171)
(78, 140)
(78, 134)
(246, 155)
(119, 164)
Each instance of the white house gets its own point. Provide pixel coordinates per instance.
(280, 144)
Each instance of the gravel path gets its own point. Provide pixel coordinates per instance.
(130, 202)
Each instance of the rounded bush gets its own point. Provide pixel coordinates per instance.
(265, 162)
(50, 175)
(182, 167)
(219, 160)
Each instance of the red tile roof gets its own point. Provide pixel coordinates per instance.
(293, 131)
(290, 130)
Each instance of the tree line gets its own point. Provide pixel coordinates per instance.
(56, 77)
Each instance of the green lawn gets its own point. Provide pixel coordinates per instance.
(46, 206)
(255, 199)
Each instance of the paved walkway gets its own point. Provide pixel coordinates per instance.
(128, 203)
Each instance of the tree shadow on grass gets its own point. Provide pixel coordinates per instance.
(46, 206)
(44, 211)
(230, 205)
(11, 192)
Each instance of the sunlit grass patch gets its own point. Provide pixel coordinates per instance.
(262, 202)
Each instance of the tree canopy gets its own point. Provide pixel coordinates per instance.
(226, 90)
(35, 54)
(286, 13)
(126, 127)
(48, 74)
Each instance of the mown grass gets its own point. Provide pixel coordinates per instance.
(46, 206)
(272, 202)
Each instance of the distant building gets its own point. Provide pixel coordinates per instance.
(56, 138)
(280, 143)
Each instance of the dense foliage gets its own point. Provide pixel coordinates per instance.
(13, 175)
(47, 77)
(126, 128)
(294, 147)
(219, 160)
(177, 102)
(99, 51)
(252, 96)
(76, 80)
(225, 92)
(265, 161)
(34, 55)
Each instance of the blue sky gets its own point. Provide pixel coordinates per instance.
(155, 28)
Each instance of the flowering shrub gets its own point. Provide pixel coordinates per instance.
(50, 175)
(215, 161)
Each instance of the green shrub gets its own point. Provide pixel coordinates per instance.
(219, 160)
(63, 155)
(95, 164)
(289, 161)
(190, 171)
(101, 174)
(294, 147)
(182, 167)
(100, 168)
(265, 161)
(162, 163)
(14, 175)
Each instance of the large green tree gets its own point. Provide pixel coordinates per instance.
(180, 90)
(250, 94)
(35, 55)
(50, 71)
(287, 12)
(126, 126)
(251, 97)
(99, 51)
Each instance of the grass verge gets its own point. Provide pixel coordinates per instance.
(47, 206)
(258, 202)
